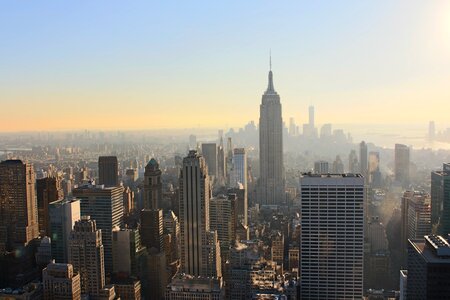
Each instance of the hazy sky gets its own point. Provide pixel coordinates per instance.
(174, 64)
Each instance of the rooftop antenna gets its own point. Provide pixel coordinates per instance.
(270, 59)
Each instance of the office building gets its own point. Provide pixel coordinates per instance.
(222, 213)
(338, 166)
(401, 168)
(209, 152)
(240, 168)
(194, 218)
(277, 250)
(374, 169)
(321, 167)
(271, 182)
(86, 256)
(428, 268)
(105, 206)
(63, 215)
(416, 216)
(332, 236)
(60, 281)
(152, 185)
(353, 164)
(18, 207)
(151, 229)
(127, 251)
(440, 200)
(221, 160)
(108, 170)
(48, 190)
(363, 160)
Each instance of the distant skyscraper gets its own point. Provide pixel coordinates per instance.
(321, 167)
(47, 190)
(209, 152)
(240, 167)
(401, 170)
(152, 185)
(194, 216)
(229, 162)
(416, 216)
(374, 169)
(428, 268)
(363, 160)
(192, 142)
(311, 117)
(440, 200)
(221, 161)
(338, 166)
(18, 208)
(332, 210)
(353, 165)
(61, 282)
(325, 131)
(431, 131)
(105, 206)
(86, 256)
(108, 170)
(271, 181)
(63, 215)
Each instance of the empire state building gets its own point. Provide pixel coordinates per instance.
(271, 188)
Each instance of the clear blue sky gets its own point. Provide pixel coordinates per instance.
(141, 64)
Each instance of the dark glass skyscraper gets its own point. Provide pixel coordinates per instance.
(108, 170)
(271, 180)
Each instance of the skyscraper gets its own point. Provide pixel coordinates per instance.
(63, 215)
(194, 216)
(47, 190)
(353, 165)
(321, 167)
(108, 169)
(428, 268)
(152, 229)
(271, 181)
(363, 160)
(332, 236)
(311, 117)
(223, 214)
(416, 216)
(105, 206)
(209, 152)
(440, 200)
(18, 208)
(221, 160)
(86, 256)
(152, 185)
(401, 169)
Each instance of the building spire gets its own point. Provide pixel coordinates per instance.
(270, 60)
(270, 88)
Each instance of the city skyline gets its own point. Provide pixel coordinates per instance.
(107, 71)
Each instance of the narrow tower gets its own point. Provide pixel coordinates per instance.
(271, 181)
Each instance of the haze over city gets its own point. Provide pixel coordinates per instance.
(107, 65)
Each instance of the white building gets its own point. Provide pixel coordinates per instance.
(332, 236)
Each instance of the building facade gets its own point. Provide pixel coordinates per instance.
(332, 236)
(271, 185)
